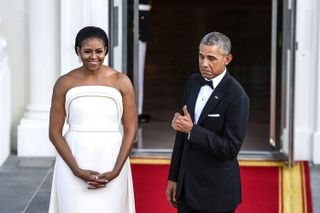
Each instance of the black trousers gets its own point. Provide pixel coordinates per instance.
(183, 207)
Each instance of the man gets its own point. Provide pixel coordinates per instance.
(144, 37)
(204, 172)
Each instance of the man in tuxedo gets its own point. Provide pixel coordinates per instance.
(204, 174)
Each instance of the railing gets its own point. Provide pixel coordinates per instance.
(5, 103)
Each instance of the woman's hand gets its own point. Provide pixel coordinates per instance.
(91, 178)
(108, 176)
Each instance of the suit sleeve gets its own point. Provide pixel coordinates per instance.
(227, 145)
(178, 143)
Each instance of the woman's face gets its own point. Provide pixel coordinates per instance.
(92, 53)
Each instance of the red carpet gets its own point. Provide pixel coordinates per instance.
(267, 187)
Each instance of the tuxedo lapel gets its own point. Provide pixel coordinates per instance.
(215, 98)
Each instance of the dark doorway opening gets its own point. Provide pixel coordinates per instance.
(172, 55)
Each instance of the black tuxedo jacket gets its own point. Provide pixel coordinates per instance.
(205, 165)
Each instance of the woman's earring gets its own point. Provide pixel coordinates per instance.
(79, 59)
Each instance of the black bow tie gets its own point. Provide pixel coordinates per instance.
(205, 82)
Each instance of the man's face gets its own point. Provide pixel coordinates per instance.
(212, 61)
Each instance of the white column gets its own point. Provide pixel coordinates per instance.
(5, 103)
(316, 137)
(44, 66)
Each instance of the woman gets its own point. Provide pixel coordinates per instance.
(92, 171)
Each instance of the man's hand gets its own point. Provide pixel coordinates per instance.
(182, 123)
(171, 193)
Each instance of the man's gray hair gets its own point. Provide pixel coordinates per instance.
(219, 39)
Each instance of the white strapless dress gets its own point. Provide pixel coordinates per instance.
(94, 136)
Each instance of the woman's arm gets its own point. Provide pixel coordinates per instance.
(130, 124)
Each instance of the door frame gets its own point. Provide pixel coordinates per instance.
(281, 133)
(288, 72)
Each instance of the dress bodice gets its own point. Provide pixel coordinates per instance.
(93, 108)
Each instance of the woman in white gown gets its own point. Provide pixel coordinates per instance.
(92, 171)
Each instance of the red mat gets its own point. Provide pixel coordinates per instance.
(267, 187)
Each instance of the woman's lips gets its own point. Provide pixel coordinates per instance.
(93, 62)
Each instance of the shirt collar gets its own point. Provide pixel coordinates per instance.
(216, 80)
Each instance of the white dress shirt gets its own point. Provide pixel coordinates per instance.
(204, 94)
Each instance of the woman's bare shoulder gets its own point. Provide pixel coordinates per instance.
(115, 75)
(66, 81)
(115, 78)
(120, 78)
(124, 83)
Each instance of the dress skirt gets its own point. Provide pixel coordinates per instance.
(98, 151)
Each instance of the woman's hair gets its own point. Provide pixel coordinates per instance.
(219, 39)
(91, 32)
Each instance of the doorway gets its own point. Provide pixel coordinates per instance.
(172, 55)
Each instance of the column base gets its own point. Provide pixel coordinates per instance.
(33, 139)
(316, 148)
(303, 144)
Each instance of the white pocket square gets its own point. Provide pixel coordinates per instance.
(214, 115)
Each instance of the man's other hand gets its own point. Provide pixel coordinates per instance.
(171, 193)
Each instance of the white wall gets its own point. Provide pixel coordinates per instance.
(307, 118)
(75, 15)
(13, 15)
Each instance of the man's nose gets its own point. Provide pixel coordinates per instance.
(204, 62)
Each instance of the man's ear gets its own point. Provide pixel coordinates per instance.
(228, 59)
